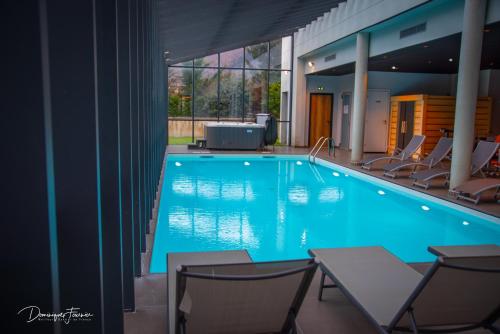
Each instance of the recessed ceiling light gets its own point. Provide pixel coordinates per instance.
(310, 63)
(450, 60)
(425, 208)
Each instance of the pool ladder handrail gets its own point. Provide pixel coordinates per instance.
(316, 148)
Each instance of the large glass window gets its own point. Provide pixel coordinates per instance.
(229, 86)
(208, 61)
(255, 93)
(205, 93)
(231, 95)
(257, 56)
(232, 59)
(180, 83)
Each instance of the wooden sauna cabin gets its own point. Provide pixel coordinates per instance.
(427, 115)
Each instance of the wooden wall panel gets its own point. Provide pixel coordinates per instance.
(433, 113)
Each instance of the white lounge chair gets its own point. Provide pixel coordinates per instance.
(480, 157)
(471, 190)
(461, 290)
(258, 297)
(440, 151)
(398, 154)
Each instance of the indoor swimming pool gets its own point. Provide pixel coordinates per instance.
(278, 207)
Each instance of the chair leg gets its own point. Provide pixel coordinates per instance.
(321, 285)
(413, 323)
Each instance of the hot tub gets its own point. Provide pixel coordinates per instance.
(234, 135)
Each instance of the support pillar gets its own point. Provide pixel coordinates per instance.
(467, 87)
(360, 95)
(299, 120)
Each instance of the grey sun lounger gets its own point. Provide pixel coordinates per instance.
(459, 291)
(263, 297)
(195, 258)
(471, 190)
(440, 151)
(398, 154)
(480, 157)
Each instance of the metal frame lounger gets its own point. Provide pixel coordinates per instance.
(460, 291)
(480, 157)
(193, 258)
(398, 154)
(440, 151)
(471, 190)
(263, 297)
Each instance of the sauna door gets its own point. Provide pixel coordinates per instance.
(405, 123)
(320, 117)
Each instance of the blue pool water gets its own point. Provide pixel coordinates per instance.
(279, 207)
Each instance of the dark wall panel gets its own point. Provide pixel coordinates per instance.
(25, 218)
(83, 107)
(125, 143)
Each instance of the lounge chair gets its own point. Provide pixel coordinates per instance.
(260, 297)
(480, 158)
(459, 291)
(194, 258)
(440, 151)
(398, 154)
(471, 190)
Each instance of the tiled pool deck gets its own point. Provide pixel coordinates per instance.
(335, 314)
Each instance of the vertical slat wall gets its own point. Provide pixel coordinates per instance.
(83, 134)
(434, 112)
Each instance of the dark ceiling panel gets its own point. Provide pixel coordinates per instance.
(195, 28)
(437, 56)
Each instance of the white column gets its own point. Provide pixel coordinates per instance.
(467, 87)
(360, 94)
(299, 121)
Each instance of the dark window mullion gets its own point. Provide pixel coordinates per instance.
(218, 87)
(243, 87)
(268, 72)
(192, 104)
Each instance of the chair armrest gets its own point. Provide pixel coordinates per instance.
(462, 251)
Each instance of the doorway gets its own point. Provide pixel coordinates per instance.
(320, 116)
(406, 116)
(346, 121)
(376, 120)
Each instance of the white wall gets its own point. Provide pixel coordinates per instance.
(384, 19)
(396, 83)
